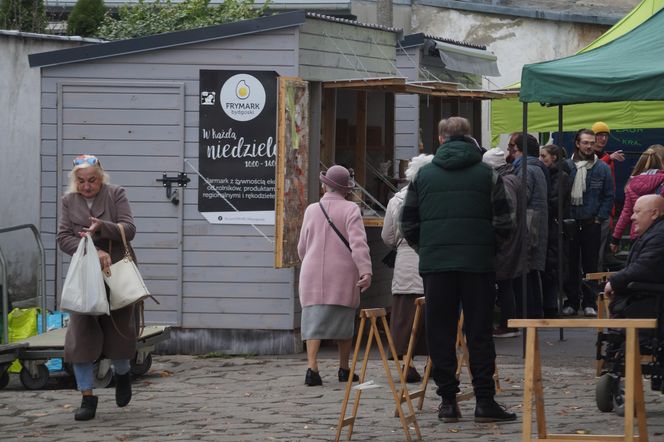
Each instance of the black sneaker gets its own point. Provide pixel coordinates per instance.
(448, 410)
(488, 410)
(312, 378)
(344, 373)
(88, 408)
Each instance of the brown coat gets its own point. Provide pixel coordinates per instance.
(88, 337)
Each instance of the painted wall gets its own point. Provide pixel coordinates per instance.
(20, 159)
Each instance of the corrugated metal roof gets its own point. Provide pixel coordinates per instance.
(601, 12)
(352, 22)
(35, 36)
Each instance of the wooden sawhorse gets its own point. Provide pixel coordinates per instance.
(406, 420)
(462, 359)
(633, 380)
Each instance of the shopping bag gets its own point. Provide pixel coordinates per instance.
(22, 323)
(83, 291)
(124, 280)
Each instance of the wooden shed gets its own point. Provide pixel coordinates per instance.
(139, 105)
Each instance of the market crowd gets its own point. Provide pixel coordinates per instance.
(466, 230)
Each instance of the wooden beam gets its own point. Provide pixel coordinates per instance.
(583, 323)
(361, 138)
(364, 82)
(389, 129)
(329, 127)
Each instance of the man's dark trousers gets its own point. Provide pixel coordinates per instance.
(584, 244)
(445, 293)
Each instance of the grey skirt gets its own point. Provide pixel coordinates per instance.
(327, 322)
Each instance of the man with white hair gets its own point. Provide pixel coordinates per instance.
(646, 257)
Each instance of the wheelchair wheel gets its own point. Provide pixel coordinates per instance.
(605, 391)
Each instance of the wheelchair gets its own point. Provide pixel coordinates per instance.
(645, 301)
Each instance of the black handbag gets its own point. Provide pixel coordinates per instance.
(390, 258)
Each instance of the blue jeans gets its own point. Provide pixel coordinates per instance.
(84, 373)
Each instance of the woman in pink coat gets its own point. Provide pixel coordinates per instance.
(336, 266)
(647, 177)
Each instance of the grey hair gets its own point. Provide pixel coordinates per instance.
(416, 164)
(73, 188)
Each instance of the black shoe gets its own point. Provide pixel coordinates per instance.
(448, 410)
(412, 375)
(312, 378)
(488, 410)
(122, 389)
(344, 373)
(88, 408)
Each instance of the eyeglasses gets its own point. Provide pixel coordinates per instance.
(586, 143)
(86, 159)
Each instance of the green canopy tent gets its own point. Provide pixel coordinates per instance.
(628, 68)
(619, 114)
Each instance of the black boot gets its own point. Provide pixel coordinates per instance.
(122, 389)
(88, 408)
(488, 410)
(448, 410)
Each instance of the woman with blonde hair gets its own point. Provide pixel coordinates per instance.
(94, 207)
(647, 177)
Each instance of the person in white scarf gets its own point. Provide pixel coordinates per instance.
(584, 160)
(591, 200)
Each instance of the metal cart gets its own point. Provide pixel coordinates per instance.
(34, 352)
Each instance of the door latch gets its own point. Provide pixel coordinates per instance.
(167, 181)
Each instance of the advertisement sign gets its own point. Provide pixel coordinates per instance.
(237, 146)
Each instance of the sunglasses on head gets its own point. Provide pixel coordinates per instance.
(86, 159)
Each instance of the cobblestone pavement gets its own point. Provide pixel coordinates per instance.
(263, 399)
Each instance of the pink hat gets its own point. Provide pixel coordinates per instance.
(338, 178)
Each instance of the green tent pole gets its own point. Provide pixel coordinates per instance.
(560, 190)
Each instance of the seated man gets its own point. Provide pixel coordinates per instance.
(645, 262)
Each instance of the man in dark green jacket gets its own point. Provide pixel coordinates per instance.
(455, 212)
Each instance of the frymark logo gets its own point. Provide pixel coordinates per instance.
(242, 97)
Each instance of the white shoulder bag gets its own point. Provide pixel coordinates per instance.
(83, 291)
(124, 280)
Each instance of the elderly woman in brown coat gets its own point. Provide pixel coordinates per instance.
(95, 207)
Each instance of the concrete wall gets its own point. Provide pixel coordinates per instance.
(20, 94)
(515, 41)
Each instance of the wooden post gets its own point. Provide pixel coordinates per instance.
(361, 138)
(329, 127)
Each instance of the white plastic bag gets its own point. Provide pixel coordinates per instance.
(84, 291)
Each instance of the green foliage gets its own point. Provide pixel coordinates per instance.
(149, 18)
(85, 17)
(23, 15)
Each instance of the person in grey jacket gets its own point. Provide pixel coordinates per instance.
(406, 281)
(592, 199)
(537, 222)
